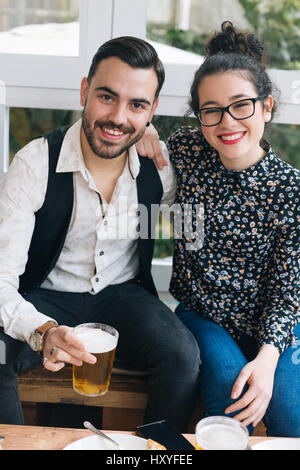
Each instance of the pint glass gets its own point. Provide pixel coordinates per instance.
(221, 433)
(101, 340)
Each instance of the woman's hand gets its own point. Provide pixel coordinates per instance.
(259, 375)
(149, 146)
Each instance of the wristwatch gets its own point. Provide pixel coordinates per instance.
(36, 340)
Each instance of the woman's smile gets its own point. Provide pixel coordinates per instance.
(231, 138)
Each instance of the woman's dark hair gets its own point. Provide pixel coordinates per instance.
(230, 50)
(135, 52)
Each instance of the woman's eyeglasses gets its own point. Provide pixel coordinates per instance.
(242, 109)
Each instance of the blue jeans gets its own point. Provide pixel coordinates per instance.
(222, 359)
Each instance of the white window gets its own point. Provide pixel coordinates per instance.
(45, 48)
(183, 22)
(52, 43)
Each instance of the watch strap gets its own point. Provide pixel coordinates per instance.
(45, 327)
(42, 330)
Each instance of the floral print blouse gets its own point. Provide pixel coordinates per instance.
(245, 277)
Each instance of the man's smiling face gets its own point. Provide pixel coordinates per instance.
(118, 103)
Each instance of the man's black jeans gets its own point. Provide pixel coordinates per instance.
(151, 338)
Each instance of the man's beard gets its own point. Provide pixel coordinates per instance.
(106, 149)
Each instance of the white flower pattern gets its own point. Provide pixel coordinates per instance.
(246, 275)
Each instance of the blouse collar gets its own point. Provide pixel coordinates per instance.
(260, 168)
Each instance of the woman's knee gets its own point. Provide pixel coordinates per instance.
(283, 423)
(282, 417)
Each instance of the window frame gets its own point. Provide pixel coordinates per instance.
(37, 85)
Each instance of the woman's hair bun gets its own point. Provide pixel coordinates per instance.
(229, 40)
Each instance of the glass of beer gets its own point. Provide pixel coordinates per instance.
(221, 433)
(101, 340)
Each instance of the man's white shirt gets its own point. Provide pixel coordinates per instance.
(101, 246)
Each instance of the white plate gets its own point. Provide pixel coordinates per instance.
(127, 441)
(278, 444)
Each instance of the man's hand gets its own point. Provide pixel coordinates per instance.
(259, 375)
(62, 345)
(149, 146)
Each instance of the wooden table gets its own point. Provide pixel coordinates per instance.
(47, 438)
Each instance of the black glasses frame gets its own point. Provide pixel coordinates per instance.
(227, 110)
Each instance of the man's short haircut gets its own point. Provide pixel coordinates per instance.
(135, 52)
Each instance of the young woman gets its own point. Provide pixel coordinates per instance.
(239, 293)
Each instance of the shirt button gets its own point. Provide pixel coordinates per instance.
(97, 279)
(105, 222)
(101, 253)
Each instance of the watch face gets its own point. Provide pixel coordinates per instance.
(36, 338)
(36, 341)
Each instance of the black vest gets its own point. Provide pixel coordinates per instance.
(53, 218)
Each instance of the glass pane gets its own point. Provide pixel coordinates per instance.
(285, 140)
(35, 122)
(185, 24)
(45, 27)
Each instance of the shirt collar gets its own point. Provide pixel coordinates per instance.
(133, 162)
(71, 157)
(263, 166)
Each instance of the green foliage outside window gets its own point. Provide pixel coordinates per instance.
(26, 123)
(277, 24)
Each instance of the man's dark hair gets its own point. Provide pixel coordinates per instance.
(135, 52)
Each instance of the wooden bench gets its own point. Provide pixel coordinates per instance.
(122, 407)
(124, 403)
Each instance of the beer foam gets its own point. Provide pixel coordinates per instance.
(96, 340)
(220, 436)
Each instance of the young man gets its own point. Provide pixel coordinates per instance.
(65, 258)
